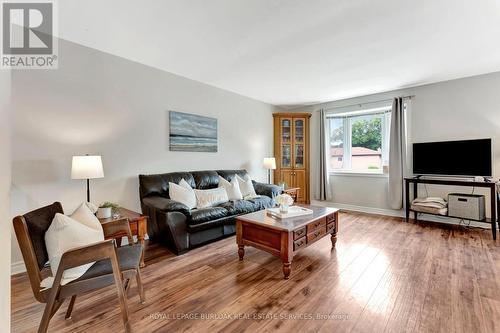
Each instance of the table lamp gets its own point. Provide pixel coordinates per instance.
(87, 167)
(269, 164)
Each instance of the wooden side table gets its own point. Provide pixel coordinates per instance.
(293, 192)
(138, 227)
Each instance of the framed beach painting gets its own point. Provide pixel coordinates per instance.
(190, 132)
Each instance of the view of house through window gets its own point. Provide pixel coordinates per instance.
(359, 142)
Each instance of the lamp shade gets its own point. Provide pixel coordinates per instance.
(87, 167)
(269, 163)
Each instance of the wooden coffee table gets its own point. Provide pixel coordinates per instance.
(283, 238)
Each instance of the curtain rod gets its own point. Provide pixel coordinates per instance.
(373, 102)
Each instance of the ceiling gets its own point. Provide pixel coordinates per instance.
(295, 52)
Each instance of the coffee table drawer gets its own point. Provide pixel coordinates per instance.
(316, 225)
(330, 227)
(315, 235)
(299, 233)
(299, 243)
(330, 218)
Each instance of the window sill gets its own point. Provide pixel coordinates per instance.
(359, 174)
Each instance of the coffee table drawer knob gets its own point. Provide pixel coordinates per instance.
(316, 235)
(311, 227)
(299, 233)
(299, 243)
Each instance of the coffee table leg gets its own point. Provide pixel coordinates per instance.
(241, 251)
(333, 238)
(287, 268)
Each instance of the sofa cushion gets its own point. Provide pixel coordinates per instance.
(195, 229)
(182, 193)
(246, 187)
(164, 204)
(238, 207)
(261, 202)
(205, 179)
(158, 184)
(229, 174)
(232, 188)
(207, 214)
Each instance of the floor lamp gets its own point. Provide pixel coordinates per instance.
(87, 167)
(269, 164)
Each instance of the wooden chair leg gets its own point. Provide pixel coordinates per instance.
(140, 288)
(121, 292)
(50, 309)
(126, 286)
(70, 307)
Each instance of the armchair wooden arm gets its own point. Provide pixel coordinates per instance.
(80, 256)
(117, 229)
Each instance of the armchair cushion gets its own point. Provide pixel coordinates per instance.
(166, 205)
(128, 258)
(67, 232)
(38, 221)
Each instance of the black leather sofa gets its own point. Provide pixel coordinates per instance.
(180, 229)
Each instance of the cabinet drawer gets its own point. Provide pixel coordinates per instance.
(299, 243)
(330, 218)
(299, 233)
(316, 225)
(330, 227)
(315, 235)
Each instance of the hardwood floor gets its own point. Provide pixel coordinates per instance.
(384, 276)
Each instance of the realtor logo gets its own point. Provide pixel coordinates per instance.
(28, 35)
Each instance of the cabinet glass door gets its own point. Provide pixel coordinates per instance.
(299, 155)
(299, 130)
(286, 155)
(298, 143)
(286, 130)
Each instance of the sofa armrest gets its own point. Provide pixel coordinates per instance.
(269, 190)
(166, 205)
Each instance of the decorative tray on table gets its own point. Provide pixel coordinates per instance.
(293, 211)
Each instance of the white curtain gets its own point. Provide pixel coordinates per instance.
(397, 154)
(324, 157)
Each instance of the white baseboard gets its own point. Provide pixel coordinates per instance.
(17, 267)
(396, 213)
(361, 209)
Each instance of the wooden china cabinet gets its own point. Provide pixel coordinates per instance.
(291, 150)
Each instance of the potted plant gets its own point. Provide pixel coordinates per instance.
(107, 209)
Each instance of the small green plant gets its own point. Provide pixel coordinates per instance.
(114, 207)
(373, 167)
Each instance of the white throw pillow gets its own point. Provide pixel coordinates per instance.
(246, 187)
(211, 197)
(67, 232)
(182, 193)
(232, 188)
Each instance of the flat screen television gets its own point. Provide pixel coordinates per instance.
(453, 158)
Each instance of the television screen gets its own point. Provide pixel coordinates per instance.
(453, 158)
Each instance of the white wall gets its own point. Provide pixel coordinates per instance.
(101, 104)
(459, 109)
(5, 180)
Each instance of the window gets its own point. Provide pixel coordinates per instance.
(359, 141)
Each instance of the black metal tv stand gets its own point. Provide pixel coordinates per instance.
(450, 182)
